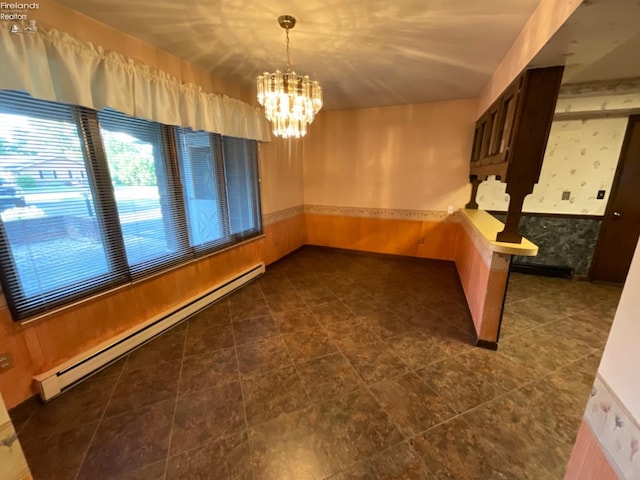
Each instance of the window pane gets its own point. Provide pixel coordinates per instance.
(146, 210)
(54, 245)
(241, 178)
(199, 168)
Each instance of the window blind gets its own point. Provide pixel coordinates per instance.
(91, 200)
(242, 182)
(54, 245)
(202, 171)
(146, 191)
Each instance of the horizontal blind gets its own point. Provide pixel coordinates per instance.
(91, 200)
(242, 185)
(203, 189)
(53, 242)
(146, 189)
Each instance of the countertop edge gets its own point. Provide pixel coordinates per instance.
(488, 226)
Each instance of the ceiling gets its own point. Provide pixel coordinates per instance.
(600, 42)
(364, 52)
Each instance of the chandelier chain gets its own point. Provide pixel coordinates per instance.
(288, 52)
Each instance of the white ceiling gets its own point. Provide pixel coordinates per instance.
(599, 42)
(364, 52)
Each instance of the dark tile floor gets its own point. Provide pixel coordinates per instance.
(338, 365)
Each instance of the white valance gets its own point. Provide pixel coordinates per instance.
(52, 65)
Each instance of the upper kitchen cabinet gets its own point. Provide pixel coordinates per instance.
(510, 139)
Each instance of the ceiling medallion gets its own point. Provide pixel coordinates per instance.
(290, 101)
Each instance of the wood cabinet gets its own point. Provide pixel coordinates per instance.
(510, 139)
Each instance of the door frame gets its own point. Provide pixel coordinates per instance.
(632, 120)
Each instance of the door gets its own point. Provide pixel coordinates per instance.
(621, 225)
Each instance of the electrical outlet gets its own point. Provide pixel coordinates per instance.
(600, 195)
(6, 361)
(450, 209)
(566, 195)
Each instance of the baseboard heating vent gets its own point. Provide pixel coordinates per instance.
(543, 270)
(55, 381)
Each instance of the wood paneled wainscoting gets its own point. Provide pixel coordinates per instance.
(413, 233)
(53, 339)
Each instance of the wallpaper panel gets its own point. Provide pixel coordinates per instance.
(581, 158)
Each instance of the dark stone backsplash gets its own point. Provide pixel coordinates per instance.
(562, 241)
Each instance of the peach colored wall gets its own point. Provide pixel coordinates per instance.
(588, 461)
(398, 237)
(546, 19)
(281, 174)
(402, 157)
(484, 285)
(474, 276)
(54, 15)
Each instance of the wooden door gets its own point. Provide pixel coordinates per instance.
(621, 225)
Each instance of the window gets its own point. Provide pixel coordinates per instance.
(221, 195)
(148, 213)
(201, 171)
(241, 178)
(53, 248)
(91, 200)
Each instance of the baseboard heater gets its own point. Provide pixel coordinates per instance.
(543, 270)
(59, 379)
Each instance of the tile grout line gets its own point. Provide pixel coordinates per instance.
(24, 424)
(175, 405)
(504, 394)
(244, 402)
(295, 366)
(104, 412)
(339, 350)
(405, 438)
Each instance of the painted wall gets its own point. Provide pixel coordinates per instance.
(483, 273)
(581, 157)
(547, 18)
(622, 346)
(381, 179)
(402, 157)
(281, 175)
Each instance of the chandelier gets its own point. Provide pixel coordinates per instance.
(290, 101)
